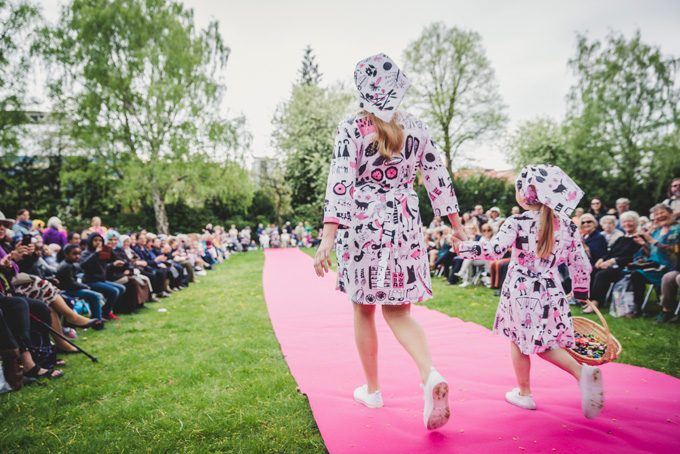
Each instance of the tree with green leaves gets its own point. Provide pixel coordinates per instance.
(139, 88)
(304, 131)
(17, 22)
(455, 88)
(309, 72)
(623, 108)
(620, 137)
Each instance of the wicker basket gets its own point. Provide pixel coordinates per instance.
(585, 326)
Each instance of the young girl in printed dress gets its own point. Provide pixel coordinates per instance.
(533, 312)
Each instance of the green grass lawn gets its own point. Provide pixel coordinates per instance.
(645, 343)
(208, 375)
(205, 376)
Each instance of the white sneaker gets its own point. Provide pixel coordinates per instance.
(592, 396)
(202, 273)
(373, 400)
(526, 402)
(465, 284)
(436, 412)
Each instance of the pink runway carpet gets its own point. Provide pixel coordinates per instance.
(313, 324)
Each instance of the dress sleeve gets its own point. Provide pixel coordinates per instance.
(437, 180)
(579, 266)
(495, 248)
(341, 178)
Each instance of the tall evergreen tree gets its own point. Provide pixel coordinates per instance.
(309, 72)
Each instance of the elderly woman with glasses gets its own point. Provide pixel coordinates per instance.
(659, 252)
(609, 268)
(594, 242)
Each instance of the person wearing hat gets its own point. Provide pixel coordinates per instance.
(8, 223)
(533, 311)
(495, 218)
(371, 205)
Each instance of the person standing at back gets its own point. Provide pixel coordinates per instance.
(371, 205)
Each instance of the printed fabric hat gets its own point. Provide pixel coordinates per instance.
(550, 186)
(6, 222)
(381, 86)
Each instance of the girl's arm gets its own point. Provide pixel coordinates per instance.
(493, 249)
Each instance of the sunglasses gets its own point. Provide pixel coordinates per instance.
(487, 230)
(595, 203)
(586, 222)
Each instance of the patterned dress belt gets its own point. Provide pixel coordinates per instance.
(544, 276)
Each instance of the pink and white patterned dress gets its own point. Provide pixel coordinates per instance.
(382, 258)
(533, 311)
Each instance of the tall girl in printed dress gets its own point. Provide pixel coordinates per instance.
(371, 205)
(533, 312)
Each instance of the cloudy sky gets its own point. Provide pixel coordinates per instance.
(528, 44)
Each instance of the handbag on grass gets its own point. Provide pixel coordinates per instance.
(623, 298)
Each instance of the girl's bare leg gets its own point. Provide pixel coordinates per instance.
(410, 335)
(522, 365)
(366, 338)
(564, 361)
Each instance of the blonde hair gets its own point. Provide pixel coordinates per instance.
(389, 136)
(546, 234)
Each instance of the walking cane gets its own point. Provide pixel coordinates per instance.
(93, 358)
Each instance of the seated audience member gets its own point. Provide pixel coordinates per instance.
(645, 223)
(121, 271)
(317, 241)
(659, 252)
(578, 212)
(609, 230)
(466, 218)
(597, 209)
(157, 269)
(179, 255)
(23, 225)
(673, 199)
(49, 254)
(94, 262)
(594, 242)
(609, 269)
(515, 210)
(155, 275)
(132, 257)
(16, 326)
(285, 239)
(495, 219)
(67, 273)
(473, 233)
(96, 227)
(73, 238)
(38, 227)
(436, 246)
(479, 216)
(622, 205)
(445, 260)
(32, 283)
(55, 233)
(669, 294)
(175, 270)
(465, 272)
